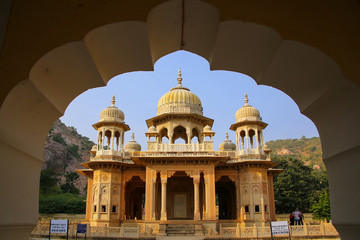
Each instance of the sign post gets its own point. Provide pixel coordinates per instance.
(279, 228)
(81, 228)
(59, 226)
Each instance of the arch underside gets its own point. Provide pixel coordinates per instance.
(312, 79)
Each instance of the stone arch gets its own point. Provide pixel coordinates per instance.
(312, 79)
(180, 132)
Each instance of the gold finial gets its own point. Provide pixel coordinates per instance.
(179, 77)
(113, 101)
(227, 136)
(246, 99)
(133, 137)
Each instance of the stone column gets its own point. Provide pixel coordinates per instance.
(238, 201)
(257, 139)
(247, 139)
(210, 213)
(112, 139)
(163, 197)
(149, 194)
(262, 208)
(196, 180)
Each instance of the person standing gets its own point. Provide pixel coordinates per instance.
(297, 216)
(291, 217)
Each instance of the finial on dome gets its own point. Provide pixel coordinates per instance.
(179, 77)
(246, 99)
(227, 136)
(113, 101)
(133, 137)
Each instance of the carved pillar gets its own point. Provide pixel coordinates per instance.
(247, 139)
(149, 193)
(257, 139)
(210, 213)
(196, 180)
(163, 197)
(262, 208)
(171, 137)
(238, 202)
(112, 139)
(188, 135)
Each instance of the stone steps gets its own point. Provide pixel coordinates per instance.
(180, 230)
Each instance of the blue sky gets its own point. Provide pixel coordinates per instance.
(221, 93)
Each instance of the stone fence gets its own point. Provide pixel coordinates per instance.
(225, 231)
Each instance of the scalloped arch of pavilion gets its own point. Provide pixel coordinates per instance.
(48, 59)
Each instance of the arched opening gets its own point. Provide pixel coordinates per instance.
(226, 195)
(327, 93)
(107, 140)
(117, 141)
(195, 134)
(164, 138)
(180, 132)
(134, 198)
(180, 195)
(242, 139)
(251, 138)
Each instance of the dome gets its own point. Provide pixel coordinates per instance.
(227, 145)
(112, 114)
(179, 100)
(207, 128)
(247, 112)
(132, 145)
(152, 129)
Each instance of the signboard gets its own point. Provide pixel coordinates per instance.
(279, 228)
(59, 226)
(81, 228)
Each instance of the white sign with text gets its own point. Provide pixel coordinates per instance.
(279, 228)
(59, 226)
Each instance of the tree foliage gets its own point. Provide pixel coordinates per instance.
(69, 186)
(321, 208)
(63, 199)
(48, 182)
(298, 186)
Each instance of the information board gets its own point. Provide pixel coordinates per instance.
(81, 228)
(59, 226)
(279, 228)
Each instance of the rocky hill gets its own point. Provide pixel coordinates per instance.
(306, 149)
(65, 149)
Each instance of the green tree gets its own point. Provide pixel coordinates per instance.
(321, 208)
(298, 186)
(69, 186)
(48, 182)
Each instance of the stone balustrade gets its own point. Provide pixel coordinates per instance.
(225, 231)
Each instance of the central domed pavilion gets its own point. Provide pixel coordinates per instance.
(180, 178)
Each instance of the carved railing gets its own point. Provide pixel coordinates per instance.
(226, 231)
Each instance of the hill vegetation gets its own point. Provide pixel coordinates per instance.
(305, 149)
(62, 190)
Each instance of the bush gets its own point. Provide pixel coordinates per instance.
(62, 203)
(59, 139)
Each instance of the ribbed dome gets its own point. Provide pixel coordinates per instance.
(179, 100)
(112, 114)
(132, 145)
(227, 145)
(247, 112)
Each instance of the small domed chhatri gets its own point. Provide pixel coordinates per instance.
(112, 113)
(179, 100)
(227, 145)
(132, 145)
(247, 112)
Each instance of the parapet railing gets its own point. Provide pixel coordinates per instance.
(225, 231)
